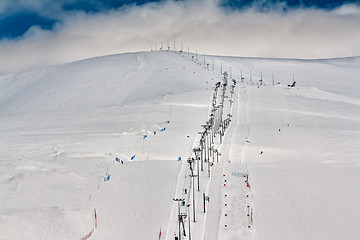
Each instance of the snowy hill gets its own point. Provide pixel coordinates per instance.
(66, 130)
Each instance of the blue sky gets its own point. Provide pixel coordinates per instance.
(40, 32)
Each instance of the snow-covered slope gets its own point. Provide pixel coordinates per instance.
(62, 129)
(300, 146)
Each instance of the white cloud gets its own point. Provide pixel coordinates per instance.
(298, 33)
(348, 9)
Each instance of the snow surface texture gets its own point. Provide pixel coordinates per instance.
(104, 136)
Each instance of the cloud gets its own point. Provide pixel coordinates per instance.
(202, 25)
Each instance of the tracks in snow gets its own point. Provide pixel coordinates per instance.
(229, 211)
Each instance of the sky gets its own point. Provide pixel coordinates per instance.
(37, 33)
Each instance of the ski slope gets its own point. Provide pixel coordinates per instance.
(64, 131)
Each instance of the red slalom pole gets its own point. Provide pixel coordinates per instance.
(95, 218)
(251, 216)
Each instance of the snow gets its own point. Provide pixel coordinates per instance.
(62, 127)
(305, 165)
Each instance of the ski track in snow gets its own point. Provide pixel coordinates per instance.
(235, 204)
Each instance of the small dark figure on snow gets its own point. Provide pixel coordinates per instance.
(292, 85)
(122, 162)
